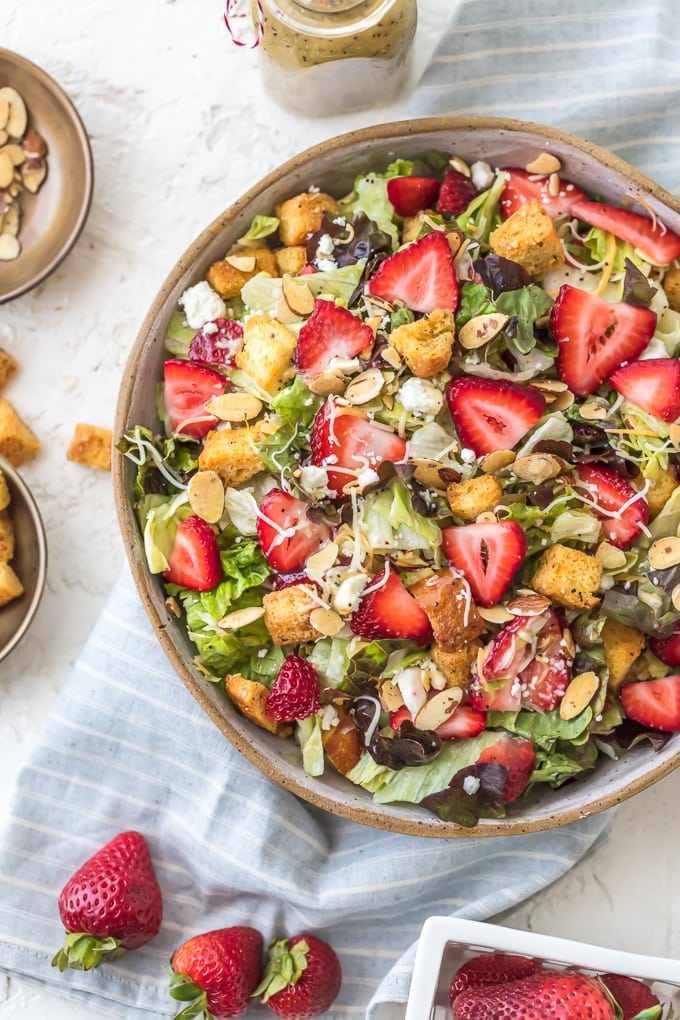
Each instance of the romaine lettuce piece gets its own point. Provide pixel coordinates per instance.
(262, 292)
(370, 197)
(308, 734)
(160, 528)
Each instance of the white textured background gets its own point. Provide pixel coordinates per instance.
(179, 129)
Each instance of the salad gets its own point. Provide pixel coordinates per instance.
(415, 494)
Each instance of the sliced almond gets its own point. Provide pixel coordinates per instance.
(33, 173)
(554, 185)
(480, 330)
(15, 153)
(460, 165)
(390, 696)
(610, 557)
(365, 387)
(537, 467)
(323, 560)
(9, 248)
(664, 553)
(568, 643)
(234, 407)
(244, 263)
(10, 221)
(297, 296)
(674, 435)
(486, 517)
(172, 606)
(4, 113)
(458, 242)
(544, 164)
(391, 356)
(562, 401)
(326, 621)
(206, 495)
(428, 472)
(593, 411)
(495, 614)
(34, 144)
(496, 461)
(675, 597)
(15, 124)
(6, 169)
(578, 694)
(4, 137)
(651, 599)
(241, 618)
(438, 709)
(284, 313)
(549, 385)
(530, 604)
(374, 322)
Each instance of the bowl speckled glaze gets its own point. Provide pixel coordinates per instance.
(332, 166)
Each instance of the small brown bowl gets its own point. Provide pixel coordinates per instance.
(52, 219)
(333, 166)
(29, 561)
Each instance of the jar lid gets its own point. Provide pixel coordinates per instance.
(328, 6)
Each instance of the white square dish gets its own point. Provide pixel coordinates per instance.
(447, 942)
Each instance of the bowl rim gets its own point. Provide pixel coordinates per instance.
(87, 181)
(368, 814)
(18, 482)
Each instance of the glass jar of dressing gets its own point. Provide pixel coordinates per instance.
(324, 57)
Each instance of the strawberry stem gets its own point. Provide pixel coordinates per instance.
(284, 967)
(183, 989)
(85, 952)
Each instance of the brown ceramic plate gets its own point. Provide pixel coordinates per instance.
(53, 218)
(333, 166)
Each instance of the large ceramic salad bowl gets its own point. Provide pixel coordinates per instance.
(333, 168)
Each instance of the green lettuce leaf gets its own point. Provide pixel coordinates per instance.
(160, 528)
(308, 734)
(178, 336)
(370, 197)
(483, 215)
(564, 762)
(543, 728)
(330, 660)
(261, 293)
(473, 300)
(261, 227)
(597, 243)
(163, 465)
(295, 405)
(390, 522)
(528, 304)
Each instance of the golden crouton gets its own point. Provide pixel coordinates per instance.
(250, 697)
(568, 577)
(474, 496)
(529, 237)
(10, 585)
(18, 442)
(301, 215)
(622, 646)
(267, 352)
(6, 537)
(5, 495)
(660, 492)
(445, 598)
(8, 367)
(291, 260)
(456, 665)
(287, 613)
(343, 744)
(426, 344)
(228, 275)
(671, 284)
(232, 453)
(91, 447)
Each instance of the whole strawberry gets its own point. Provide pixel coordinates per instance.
(112, 903)
(295, 692)
(492, 969)
(550, 995)
(302, 978)
(216, 972)
(633, 996)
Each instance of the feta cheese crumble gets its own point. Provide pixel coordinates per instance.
(421, 396)
(201, 304)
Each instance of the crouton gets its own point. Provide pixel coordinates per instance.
(446, 599)
(529, 237)
(8, 367)
(267, 352)
(568, 577)
(18, 442)
(287, 613)
(232, 453)
(91, 447)
(456, 665)
(671, 284)
(660, 492)
(622, 646)
(301, 215)
(426, 344)
(228, 275)
(5, 495)
(6, 537)
(10, 585)
(343, 743)
(291, 260)
(250, 697)
(474, 496)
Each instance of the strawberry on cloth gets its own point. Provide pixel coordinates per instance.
(421, 275)
(216, 973)
(112, 903)
(302, 978)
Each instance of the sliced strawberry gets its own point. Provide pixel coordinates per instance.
(456, 193)
(330, 332)
(667, 649)
(492, 414)
(195, 558)
(389, 611)
(518, 756)
(492, 969)
(217, 342)
(596, 336)
(521, 187)
(410, 195)
(632, 996)
(489, 555)
(288, 537)
(281, 581)
(505, 697)
(346, 443)
(465, 722)
(654, 703)
(421, 275)
(652, 384)
(621, 509)
(399, 716)
(653, 240)
(187, 389)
